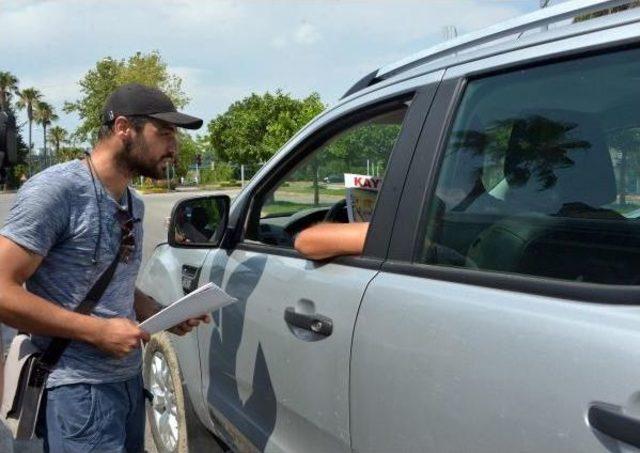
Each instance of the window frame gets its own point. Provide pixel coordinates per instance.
(381, 222)
(408, 236)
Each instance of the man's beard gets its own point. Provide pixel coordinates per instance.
(136, 158)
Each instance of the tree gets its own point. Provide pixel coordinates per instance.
(8, 85)
(66, 153)
(254, 128)
(44, 114)
(13, 173)
(109, 74)
(58, 135)
(27, 98)
(188, 150)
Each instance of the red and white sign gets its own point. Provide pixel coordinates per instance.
(362, 181)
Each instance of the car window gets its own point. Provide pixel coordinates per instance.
(541, 174)
(338, 181)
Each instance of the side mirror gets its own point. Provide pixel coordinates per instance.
(199, 222)
(8, 139)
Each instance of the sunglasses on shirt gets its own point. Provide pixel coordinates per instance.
(127, 238)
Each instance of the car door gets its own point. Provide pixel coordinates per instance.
(275, 365)
(510, 298)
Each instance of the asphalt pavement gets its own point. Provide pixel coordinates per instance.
(157, 210)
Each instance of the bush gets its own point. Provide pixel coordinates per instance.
(221, 172)
(156, 185)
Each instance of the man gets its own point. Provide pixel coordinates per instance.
(64, 230)
(326, 240)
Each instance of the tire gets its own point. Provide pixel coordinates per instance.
(174, 426)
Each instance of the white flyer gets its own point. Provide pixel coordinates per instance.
(202, 301)
(361, 196)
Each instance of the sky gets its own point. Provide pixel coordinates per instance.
(225, 50)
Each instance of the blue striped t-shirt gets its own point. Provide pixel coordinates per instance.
(55, 214)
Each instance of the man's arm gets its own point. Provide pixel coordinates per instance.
(326, 240)
(146, 306)
(30, 313)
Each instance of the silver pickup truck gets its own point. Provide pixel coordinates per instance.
(495, 307)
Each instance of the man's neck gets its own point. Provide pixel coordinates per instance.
(114, 178)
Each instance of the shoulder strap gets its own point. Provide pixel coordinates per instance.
(57, 345)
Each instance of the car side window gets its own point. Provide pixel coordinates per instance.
(337, 182)
(541, 174)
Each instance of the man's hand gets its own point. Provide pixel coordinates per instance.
(186, 326)
(119, 336)
(146, 306)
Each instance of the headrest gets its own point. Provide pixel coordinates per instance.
(555, 157)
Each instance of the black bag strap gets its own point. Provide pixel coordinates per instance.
(56, 347)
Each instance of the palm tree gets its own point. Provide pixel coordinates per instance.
(8, 84)
(44, 114)
(26, 100)
(58, 135)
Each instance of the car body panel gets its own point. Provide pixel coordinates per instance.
(284, 393)
(435, 353)
(162, 280)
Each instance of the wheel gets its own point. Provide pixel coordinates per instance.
(174, 426)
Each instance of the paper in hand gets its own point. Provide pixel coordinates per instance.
(203, 300)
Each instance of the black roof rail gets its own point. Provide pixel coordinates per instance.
(366, 81)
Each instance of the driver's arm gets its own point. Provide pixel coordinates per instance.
(326, 240)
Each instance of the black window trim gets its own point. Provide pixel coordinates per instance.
(381, 224)
(408, 235)
(521, 283)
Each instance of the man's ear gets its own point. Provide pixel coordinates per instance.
(121, 128)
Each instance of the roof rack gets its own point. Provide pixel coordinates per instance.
(536, 20)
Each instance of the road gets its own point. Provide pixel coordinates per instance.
(157, 209)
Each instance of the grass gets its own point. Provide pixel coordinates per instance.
(307, 187)
(285, 207)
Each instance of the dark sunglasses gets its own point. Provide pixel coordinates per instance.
(127, 238)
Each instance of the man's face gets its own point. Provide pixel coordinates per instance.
(151, 149)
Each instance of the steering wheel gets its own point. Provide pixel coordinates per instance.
(337, 212)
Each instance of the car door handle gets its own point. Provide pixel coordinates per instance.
(318, 324)
(606, 419)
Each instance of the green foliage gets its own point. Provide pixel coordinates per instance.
(188, 149)
(372, 142)
(13, 175)
(66, 153)
(27, 99)
(8, 85)
(221, 173)
(58, 136)
(254, 128)
(44, 113)
(16, 174)
(108, 74)
(156, 185)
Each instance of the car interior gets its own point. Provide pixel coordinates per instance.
(291, 206)
(552, 206)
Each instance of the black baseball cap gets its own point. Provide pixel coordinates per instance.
(140, 100)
